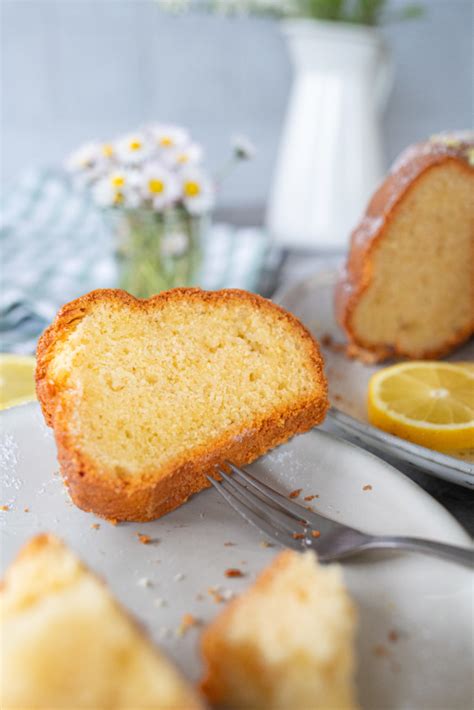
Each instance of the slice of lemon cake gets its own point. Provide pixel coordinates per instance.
(287, 642)
(146, 396)
(408, 286)
(66, 643)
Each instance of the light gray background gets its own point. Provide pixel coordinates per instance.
(79, 69)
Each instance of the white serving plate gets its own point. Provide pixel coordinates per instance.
(312, 301)
(426, 602)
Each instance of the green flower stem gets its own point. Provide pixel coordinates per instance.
(147, 264)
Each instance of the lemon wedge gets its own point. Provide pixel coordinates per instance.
(428, 403)
(17, 380)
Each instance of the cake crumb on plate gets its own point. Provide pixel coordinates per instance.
(187, 622)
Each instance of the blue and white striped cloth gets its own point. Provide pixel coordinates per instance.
(56, 245)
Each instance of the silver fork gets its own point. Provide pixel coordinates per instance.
(294, 526)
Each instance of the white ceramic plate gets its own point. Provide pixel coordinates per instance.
(312, 302)
(425, 603)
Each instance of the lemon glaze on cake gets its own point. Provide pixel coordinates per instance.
(67, 644)
(408, 286)
(146, 396)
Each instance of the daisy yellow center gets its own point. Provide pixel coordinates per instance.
(192, 188)
(107, 150)
(135, 144)
(156, 186)
(117, 180)
(166, 142)
(119, 198)
(183, 158)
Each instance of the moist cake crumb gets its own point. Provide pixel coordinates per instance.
(187, 622)
(215, 594)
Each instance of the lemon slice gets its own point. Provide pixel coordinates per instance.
(17, 380)
(429, 403)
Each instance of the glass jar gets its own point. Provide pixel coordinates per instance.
(156, 251)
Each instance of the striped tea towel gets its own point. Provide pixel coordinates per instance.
(56, 245)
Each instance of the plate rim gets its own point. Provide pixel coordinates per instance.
(462, 472)
(395, 473)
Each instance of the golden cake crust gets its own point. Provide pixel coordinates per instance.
(36, 590)
(211, 636)
(356, 276)
(212, 642)
(143, 498)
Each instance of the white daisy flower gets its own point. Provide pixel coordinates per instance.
(106, 151)
(243, 148)
(132, 148)
(184, 156)
(174, 244)
(116, 190)
(197, 191)
(158, 185)
(168, 137)
(84, 158)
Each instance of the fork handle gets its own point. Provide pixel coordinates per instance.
(461, 555)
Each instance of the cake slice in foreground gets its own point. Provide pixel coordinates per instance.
(287, 642)
(146, 396)
(66, 643)
(408, 286)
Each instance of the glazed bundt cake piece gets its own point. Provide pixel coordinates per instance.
(146, 396)
(408, 286)
(66, 643)
(287, 642)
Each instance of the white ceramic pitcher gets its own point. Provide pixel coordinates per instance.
(331, 156)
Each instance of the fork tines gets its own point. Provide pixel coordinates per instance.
(268, 510)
